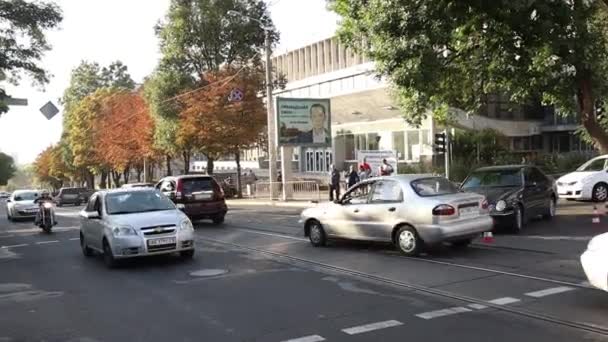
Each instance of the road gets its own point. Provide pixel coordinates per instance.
(256, 278)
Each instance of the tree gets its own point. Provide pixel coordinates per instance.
(23, 41)
(441, 54)
(116, 75)
(7, 168)
(217, 125)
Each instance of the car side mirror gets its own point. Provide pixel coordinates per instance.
(181, 206)
(91, 215)
(531, 185)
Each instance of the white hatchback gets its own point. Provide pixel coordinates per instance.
(588, 182)
(594, 261)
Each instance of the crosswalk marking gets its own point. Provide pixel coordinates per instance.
(549, 291)
(444, 312)
(371, 327)
(504, 301)
(45, 242)
(14, 246)
(311, 338)
(477, 306)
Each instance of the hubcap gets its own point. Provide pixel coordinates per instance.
(315, 233)
(601, 193)
(518, 218)
(407, 241)
(552, 207)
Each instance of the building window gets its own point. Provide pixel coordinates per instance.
(413, 145)
(537, 142)
(373, 141)
(399, 144)
(328, 160)
(310, 161)
(349, 147)
(361, 142)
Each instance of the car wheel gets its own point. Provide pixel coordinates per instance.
(189, 254)
(600, 192)
(518, 219)
(407, 241)
(551, 209)
(219, 219)
(316, 234)
(461, 243)
(108, 256)
(86, 251)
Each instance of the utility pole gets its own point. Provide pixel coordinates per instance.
(272, 152)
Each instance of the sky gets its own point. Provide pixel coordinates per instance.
(107, 30)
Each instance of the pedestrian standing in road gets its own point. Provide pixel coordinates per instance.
(367, 168)
(386, 169)
(363, 175)
(353, 176)
(334, 183)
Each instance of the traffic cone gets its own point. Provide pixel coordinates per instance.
(606, 208)
(596, 215)
(488, 237)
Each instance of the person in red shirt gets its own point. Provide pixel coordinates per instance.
(366, 167)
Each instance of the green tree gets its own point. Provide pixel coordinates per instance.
(23, 41)
(117, 75)
(7, 168)
(441, 54)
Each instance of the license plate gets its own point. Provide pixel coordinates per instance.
(160, 242)
(468, 211)
(202, 196)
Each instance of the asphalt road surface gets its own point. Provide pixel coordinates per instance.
(256, 278)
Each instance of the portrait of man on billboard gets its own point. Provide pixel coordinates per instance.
(319, 134)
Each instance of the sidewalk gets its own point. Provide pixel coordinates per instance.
(259, 202)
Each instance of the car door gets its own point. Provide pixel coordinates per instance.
(545, 189)
(94, 226)
(346, 218)
(85, 223)
(533, 193)
(383, 209)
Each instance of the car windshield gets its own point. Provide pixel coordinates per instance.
(434, 186)
(26, 196)
(593, 165)
(193, 185)
(493, 178)
(137, 202)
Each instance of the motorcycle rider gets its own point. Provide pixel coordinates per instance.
(45, 196)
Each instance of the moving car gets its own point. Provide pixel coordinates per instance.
(74, 196)
(127, 223)
(515, 193)
(138, 185)
(410, 211)
(4, 195)
(201, 196)
(588, 182)
(594, 261)
(21, 205)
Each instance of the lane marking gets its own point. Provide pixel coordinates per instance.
(444, 312)
(45, 242)
(504, 301)
(13, 246)
(549, 291)
(371, 327)
(74, 239)
(311, 338)
(558, 238)
(272, 234)
(477, 306)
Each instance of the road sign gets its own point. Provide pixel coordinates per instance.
(11, 101)
(49, 110)
(236, 95)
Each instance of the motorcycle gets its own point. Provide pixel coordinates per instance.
(46, 217)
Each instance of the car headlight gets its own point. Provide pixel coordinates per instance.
(186, 225)
(501, 205)
(572, 183)
(123, 231)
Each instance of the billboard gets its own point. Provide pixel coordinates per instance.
(374, 159)
(303, 122)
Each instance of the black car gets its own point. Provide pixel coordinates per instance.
(515, 193)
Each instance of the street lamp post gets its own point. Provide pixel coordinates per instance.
(272, 152)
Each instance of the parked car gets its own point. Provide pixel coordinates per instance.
(410, 211)
(515, 193)
(73, 196)
(4, 195)
(21, 205)
(127, 223)
(201, 197)
(594, 261)
(588, 182)
(137, 185)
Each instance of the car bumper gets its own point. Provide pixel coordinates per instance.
(596, 269)
(455, 230)
(136, 246)
(503, 218)
(16, 213)
(573, 192)
(205, 210)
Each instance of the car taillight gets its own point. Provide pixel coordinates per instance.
(444, 210)
(179, 190)
(218, 192)
(484, 204)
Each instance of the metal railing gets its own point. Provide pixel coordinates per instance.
(296, 190)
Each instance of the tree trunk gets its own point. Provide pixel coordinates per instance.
(126, 173)
(90, 179)
(210, 165)
(116, 177)
(586, 103)
(239, 188)
(168, 165)
(104, 179)
(139, 171)
(186, 157)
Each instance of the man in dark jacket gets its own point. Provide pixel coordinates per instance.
(353, 177)
(334, 183)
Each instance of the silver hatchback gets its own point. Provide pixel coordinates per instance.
(127, 223)
(410, 211)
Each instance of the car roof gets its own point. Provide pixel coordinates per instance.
(406, 178)
(189, 177)
(503, 167)
(25, 190)
(124, 190)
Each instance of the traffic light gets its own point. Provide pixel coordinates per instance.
(440, 142)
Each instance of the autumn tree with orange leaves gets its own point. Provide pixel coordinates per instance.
(217, 125)
(124, 134)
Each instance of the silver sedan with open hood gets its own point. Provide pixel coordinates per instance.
(410, 211)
